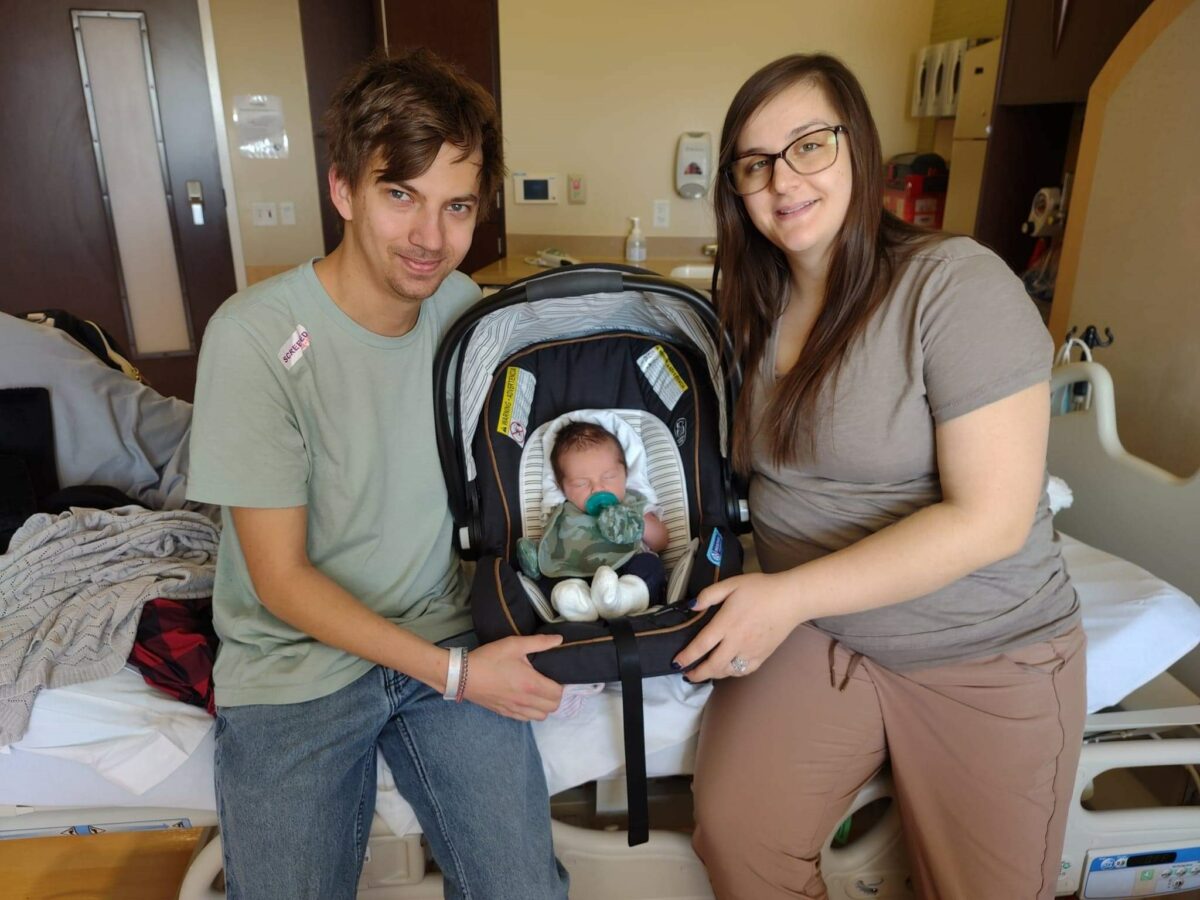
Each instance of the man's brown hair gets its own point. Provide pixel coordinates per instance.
(404, 108)
(581, 436)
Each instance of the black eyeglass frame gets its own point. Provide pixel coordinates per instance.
(782, 154)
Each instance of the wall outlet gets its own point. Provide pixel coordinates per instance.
(265, 214)
(576, 189)
(662, 213)
(287, 213)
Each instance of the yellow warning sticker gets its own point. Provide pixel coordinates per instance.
(664, 378)
(515, 404)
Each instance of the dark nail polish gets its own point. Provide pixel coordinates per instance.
(691, 604)
(676, 666)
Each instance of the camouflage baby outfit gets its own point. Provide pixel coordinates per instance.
(575, 544)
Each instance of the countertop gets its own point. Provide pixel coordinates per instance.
(513, 268)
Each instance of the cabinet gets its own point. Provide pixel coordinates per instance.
(1049, 61)
(1048, 56)
(978, 90)
(962, 193)
(972, 126)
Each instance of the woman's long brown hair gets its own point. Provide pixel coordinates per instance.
(755, 273)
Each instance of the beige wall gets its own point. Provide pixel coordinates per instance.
(259, 51)
(966, 18)
(605, 89)
(1138, 265)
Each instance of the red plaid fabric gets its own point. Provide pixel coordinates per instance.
(175, 648)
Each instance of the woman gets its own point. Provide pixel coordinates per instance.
(915, 607)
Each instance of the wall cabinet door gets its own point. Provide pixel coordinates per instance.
(962, 194)
(1053, 49)
(977, 92)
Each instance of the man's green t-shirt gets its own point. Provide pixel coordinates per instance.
(299, 405)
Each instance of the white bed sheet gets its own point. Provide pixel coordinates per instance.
(1137, 627)
(39, 781)
(127, 732)
(125, 763)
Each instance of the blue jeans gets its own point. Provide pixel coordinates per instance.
(296, 792)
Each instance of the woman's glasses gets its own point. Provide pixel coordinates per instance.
(806, 155)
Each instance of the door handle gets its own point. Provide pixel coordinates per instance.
(196, 201)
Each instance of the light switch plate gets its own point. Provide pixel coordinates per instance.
(662, 213)
(265, 214)
(287, 213)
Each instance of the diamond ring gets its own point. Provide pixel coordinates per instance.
(739, 664)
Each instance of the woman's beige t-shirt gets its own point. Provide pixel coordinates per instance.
(957, 332)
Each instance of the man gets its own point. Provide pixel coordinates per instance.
(337, 586)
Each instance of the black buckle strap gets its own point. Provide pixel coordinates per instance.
(629, 665)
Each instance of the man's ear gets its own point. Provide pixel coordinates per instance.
(341, 193)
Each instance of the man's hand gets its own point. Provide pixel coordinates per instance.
(499, 675)
(501, 678)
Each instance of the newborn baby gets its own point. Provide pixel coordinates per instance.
(602, 531)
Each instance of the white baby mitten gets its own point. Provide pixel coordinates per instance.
(635, 593)
(572, 599)
(618, 596)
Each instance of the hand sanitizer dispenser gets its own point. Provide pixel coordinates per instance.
(693, 164)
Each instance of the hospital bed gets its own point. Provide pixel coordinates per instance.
(113, 752)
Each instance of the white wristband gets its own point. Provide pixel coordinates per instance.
(454, 672)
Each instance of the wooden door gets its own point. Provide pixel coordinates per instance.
(466, 32)
(1129, 259)
(56, 213)
(338, 35)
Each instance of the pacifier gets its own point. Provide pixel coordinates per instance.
(598, 501)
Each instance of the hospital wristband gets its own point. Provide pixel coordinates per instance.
(462, 682)
(455, 673)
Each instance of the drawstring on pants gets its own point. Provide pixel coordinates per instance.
(851, 667)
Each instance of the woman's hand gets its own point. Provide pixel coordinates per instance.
(501, 678)
(759, 611)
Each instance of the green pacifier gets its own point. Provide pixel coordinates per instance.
(598, 501)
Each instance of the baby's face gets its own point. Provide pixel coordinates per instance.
(590, 470)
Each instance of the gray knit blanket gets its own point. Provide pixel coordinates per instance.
(72, 588)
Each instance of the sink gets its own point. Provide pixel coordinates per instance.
(693, 271)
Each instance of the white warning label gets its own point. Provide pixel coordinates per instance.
(662, 375)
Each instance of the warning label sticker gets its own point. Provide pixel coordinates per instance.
(662, 375)
(515, 404)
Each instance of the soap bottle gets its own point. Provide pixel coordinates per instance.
(635, 244)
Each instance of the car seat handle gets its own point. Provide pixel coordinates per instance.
(575, 284)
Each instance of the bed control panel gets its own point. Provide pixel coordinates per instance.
(1141, 873)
